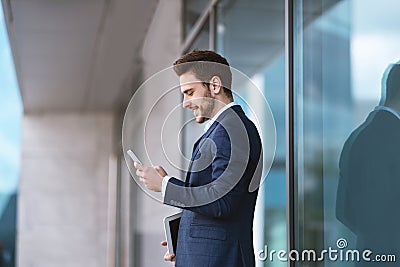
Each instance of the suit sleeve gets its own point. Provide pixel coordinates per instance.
(230, 178)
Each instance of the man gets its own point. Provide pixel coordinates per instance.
(219, 193)
(368, 192)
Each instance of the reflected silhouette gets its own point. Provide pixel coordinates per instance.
(368, 193)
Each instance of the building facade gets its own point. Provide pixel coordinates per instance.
(319, 64)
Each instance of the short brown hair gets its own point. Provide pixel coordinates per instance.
(205, 71)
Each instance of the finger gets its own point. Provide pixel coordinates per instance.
(137, 165)
(139, 173)
(160, 170)
(169, 257)
(166, 256)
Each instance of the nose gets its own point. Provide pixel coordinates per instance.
(185, 102)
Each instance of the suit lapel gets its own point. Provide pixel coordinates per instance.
(204, 136)
(196, 146)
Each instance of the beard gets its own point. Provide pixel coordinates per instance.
(207, 108)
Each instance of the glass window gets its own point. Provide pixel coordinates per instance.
(10, 129)
(202, 40)
(250, 34)
(192, 12)
(345, 175)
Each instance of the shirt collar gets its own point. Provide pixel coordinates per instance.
(388, 109)
(209, 122)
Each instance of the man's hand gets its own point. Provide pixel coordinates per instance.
(160, 171)
(167, 256)
(151, 176)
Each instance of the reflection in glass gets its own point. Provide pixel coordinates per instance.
(367, 196)
(10, 132)
(341, 51)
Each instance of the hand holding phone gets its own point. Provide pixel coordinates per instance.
(134, 157)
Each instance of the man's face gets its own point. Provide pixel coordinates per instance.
(196, 97)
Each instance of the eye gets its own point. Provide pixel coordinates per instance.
(190, 93)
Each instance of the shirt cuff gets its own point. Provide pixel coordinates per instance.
(164, 185)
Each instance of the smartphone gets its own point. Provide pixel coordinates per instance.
(134, 157)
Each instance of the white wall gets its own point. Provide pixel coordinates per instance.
(62, 205)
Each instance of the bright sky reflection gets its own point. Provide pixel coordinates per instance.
(10, 119)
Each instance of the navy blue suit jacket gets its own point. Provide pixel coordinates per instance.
(219, 194)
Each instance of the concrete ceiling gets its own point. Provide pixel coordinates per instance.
(77, 55)
(84, 55)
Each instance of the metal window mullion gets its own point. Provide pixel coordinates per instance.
(289, 81)
(213, 28)
(196, 29)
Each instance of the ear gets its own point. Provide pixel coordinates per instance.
(215, 85)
